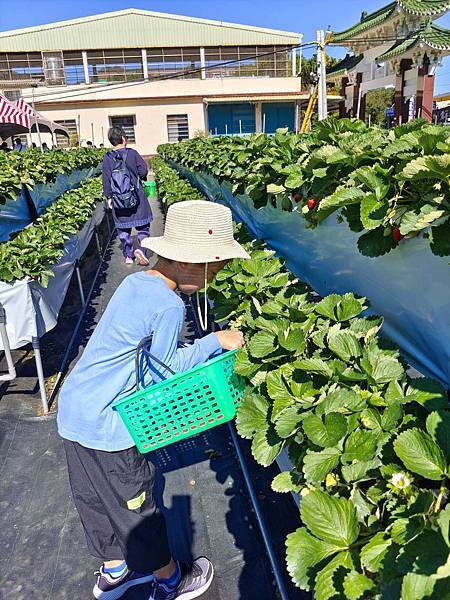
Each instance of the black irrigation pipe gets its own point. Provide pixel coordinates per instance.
(63, 366)
(251, 490)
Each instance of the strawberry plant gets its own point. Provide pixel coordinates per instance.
(33, 251)
(171, 188)
(28, 168)
(369, 446)
(377, 180)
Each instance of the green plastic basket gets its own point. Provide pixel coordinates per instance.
(183, 405)
(150, 189)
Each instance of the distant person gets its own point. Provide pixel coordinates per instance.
(102, 146)
(4, 147)
(90, 145)
(33, 145)
(122, 171)
(180, 138)
(45, 147)
(18, 146)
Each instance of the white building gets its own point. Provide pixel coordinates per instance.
(161, 76)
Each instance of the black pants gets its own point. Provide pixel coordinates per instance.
(113, 493)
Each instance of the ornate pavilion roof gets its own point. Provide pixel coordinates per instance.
(437, 38)
(421, 8)
(347, 64)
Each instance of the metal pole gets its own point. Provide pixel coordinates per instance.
(264, 123)
(79, 130)
(80, 285)
(259, 516)
(296, 117)
(319, 75)
(103, 136)
(40, 372)
(240, 127)
(92, 130)
(97, 240)
(6, 347)
(359, 103)
(36, 121)
(370, 119)
(226, 128)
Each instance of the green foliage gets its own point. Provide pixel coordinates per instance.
(28, 168)
(33, 251)
(368, 445)
(171, 188)
(376, 103)
(378, 180)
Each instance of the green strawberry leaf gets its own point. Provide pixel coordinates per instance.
(330, 519)
(356, 585)
(420, 454)
(317, 465)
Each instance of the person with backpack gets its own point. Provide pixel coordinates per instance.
(122, 171)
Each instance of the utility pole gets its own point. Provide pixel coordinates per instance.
(322, 75)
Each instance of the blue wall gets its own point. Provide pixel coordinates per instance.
(220, 115)
(278, 114)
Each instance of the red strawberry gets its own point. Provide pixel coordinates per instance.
(396, 235)
(298, 197)
(311, 203)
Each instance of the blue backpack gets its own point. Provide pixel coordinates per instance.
(123, 192)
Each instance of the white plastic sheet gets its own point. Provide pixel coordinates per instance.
(32, 310)
(409, 287)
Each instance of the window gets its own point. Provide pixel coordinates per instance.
(61, 140)
(127, 123)
(248, 61)
(173, 61)
(108, 66)
(177, 127)
(73, 68)
(24, 65)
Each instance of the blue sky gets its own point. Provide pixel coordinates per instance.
(304, 16)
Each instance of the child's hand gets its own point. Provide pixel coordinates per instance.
(230, 340)
(109, 203)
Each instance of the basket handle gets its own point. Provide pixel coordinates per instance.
(140, 346)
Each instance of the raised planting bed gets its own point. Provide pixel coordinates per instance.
(32, 180)
(37, 264)
(369, 446)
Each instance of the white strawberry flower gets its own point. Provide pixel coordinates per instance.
(400, 481)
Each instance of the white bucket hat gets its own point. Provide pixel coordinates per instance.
(197, 231)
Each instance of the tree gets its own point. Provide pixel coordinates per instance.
(376, 103)
(309, 65)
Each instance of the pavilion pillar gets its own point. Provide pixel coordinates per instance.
(425, 91)
(400, 106)
(342, 103)
(356, 89)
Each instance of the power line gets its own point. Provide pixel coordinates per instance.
(102, 87)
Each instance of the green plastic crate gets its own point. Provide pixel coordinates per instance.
(150, 189)
(183, 405)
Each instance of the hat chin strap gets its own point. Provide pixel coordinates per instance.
(203, 320)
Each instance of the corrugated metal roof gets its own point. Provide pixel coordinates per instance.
(134, 28)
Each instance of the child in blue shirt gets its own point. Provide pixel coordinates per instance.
(112, 484)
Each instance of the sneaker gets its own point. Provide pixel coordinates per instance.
(129, 260)
(195, 580)
(109, 588)
(141, 258)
